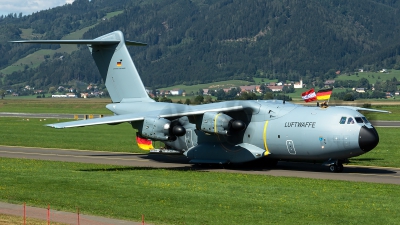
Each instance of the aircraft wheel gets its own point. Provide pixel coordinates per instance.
(333, 168)
(336, 168)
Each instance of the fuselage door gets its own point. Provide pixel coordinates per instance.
(290, 147)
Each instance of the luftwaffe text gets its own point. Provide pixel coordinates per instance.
(300, 124)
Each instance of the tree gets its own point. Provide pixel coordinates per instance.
(198, 99)
(268, 95)
(348, 97)
(52, 90)
(263, 88)
(2, 93)
(165, 99)
(207, 99)
(201, 91)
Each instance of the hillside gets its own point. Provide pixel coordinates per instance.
(198, 41)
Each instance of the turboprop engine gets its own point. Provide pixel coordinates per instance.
(214, 122)
(161, 129)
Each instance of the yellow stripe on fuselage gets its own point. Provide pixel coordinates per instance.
(265, 139)
(215, 122)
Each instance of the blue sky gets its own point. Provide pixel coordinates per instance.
(29, 6)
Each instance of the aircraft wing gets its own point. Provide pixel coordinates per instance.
(364, 109)
(105, 120)
(164, 113)
(80, 42)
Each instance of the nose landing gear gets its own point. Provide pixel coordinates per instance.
(335, 165)
(336, 168)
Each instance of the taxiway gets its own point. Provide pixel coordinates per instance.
(179, 162)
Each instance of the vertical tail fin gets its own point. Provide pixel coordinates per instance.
(114, 63)
(117, 68)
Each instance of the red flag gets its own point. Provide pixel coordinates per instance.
(309, 95)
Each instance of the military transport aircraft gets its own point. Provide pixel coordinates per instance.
(224, 132)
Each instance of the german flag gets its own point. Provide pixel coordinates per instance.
(119, 63)
(144, 143)
(324, 94)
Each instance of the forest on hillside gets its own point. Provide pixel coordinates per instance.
(200, 41)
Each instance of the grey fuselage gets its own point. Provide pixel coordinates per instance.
(274, 129)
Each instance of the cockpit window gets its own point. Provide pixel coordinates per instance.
(350, 121)
(359, 120)
(343, 120)
(365, 120)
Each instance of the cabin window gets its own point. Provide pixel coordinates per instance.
(343, 120)
(359, 120)
(350, 120)
(365, 120)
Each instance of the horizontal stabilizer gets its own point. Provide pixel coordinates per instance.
(105, 120)
(81, 42)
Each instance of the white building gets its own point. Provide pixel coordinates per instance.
(299, 84)
(176, 92)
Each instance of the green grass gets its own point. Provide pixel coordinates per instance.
(32, 61)
(215, 85)
(33, 133)
(112, 14)
(372, 77)
(393, 116)
(56, 105)
(28, 34)
(385, 154)
(193, 197)
(263, 80)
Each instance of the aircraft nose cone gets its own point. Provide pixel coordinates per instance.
(368, 138)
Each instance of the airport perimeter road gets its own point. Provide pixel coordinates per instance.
(288, 169)
(45, 115)
(381, 123)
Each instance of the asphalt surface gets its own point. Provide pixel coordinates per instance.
(179, 162)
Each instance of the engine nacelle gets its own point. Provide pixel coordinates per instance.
(220, 123)
(214, 122)
(156, 128)
(162, 129)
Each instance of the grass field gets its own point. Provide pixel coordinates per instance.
(215, 85)
(192, 197)
(372, 77)
(56, 105)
